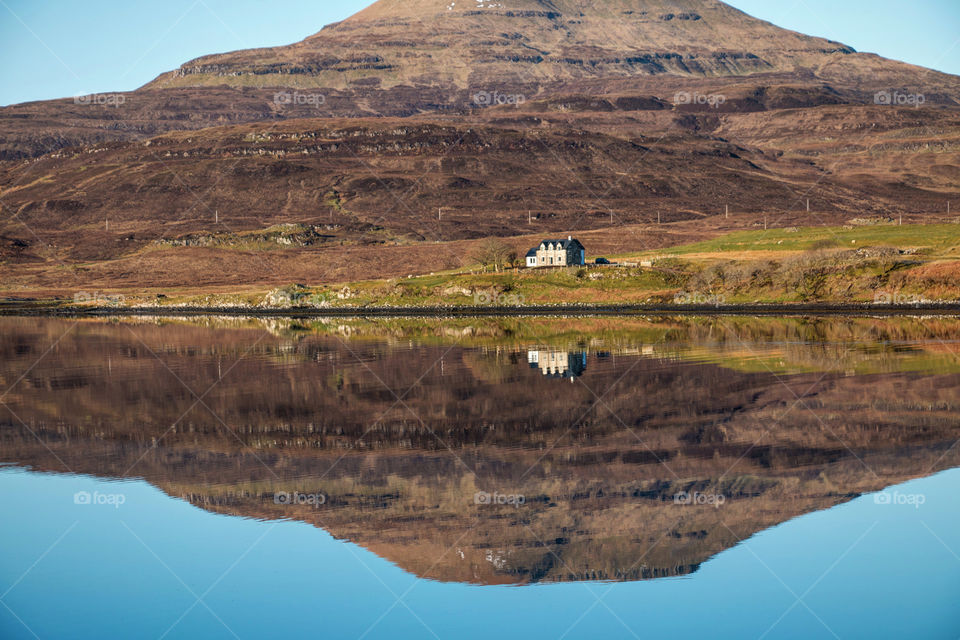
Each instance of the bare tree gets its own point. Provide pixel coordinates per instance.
(494, 253)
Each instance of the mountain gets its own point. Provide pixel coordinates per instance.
(400, 58)
(509, 118)
(518, 42)
(478, 44)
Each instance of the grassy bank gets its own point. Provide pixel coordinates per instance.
(868, 264)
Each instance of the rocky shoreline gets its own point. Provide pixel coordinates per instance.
(36, 308)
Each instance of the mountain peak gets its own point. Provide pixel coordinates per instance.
(418, 8)
(460, 44)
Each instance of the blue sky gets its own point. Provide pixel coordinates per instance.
(59, 48)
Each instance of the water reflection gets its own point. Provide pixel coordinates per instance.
(401, 424)
(136, 572)
(558, 364)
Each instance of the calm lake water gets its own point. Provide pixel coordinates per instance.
(519, 478)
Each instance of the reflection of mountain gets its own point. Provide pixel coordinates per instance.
(558, 364)
(598, 462)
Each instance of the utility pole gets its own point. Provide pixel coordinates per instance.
(726, 211)
(808, 205)
(658, 217)
(439, 213)
(764, 223)
(529, 217)
(901, 219)
(216, 216)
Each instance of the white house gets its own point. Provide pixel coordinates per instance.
(557, 253)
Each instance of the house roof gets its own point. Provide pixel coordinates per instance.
(564, 244)
(533, 252)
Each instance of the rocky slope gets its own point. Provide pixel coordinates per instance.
(473, 45)
(434, 56)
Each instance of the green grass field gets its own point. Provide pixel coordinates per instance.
(940, 240)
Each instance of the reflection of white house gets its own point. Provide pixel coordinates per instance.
(558, 364)
(557, 253)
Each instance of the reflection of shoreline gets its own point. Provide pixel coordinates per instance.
(783, 345)
(58, 309)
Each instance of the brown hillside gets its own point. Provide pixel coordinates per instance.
(386, 131)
